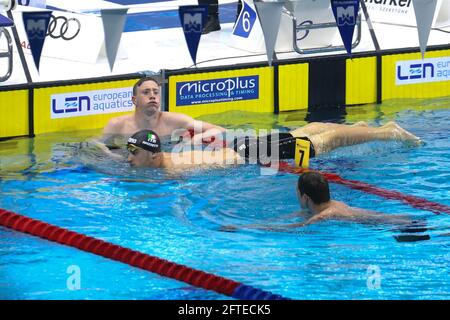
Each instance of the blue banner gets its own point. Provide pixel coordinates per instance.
(36, 25)
(346, 13)
(5, 22)
(217, 90)
(245, 22)
(193, 18)
(33, 3)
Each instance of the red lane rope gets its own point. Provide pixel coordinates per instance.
(413, 201)
(108, 250)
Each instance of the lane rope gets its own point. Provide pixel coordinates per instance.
(416, 202)
(136, 259)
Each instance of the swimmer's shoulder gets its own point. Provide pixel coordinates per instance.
(180, 119)
(118, 125)
(337, 210)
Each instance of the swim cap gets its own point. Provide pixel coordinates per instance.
(147, 140)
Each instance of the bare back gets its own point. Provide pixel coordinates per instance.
(201, 158)
(340, 211)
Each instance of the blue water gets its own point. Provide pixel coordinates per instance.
(178, 218)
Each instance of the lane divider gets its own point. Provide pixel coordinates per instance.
(416, 202)
(136, 259)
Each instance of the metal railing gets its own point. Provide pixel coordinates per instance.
(8, 54)
(313, 26)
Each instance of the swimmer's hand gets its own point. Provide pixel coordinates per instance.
(202, 139)
(212, 137)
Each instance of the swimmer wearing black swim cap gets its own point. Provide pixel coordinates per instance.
(144, 149)
(138, 145)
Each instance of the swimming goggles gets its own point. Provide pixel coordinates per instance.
(133, 149)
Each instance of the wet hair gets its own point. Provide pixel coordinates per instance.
(315, 186)
(141, 81)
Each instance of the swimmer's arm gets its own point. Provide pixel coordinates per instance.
(373, 217)
(296, 225)
(275, 228)
(209, 135)
(398, 219)
(113, 127)
(203, 131)
(111, 131)
(101, 146)
(284, 227)
(110, 141)
(295, 214)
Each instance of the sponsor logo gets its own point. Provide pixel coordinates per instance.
(151, 138)
(217, 90)
(389, 6)
(132, 140)
(421, 71)
(395, 3)
(345, 16)
(61, 27)
(36, 28)
(78, 104)
(150, 144)
(192, 22)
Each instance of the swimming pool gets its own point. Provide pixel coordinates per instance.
(178, 218)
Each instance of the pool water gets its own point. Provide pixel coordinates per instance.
(179, 217)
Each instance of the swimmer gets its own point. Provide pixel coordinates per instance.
(323, 138)
(329, 136)
(148, 115)
(145, 146)
(314, 197)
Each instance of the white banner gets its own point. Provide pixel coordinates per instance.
(71, 36)
(269, 16)
(77, 104)
(113, 24)
(399, 12)
(425, 11)
(421, 71)
(308, 12)
(248, 35)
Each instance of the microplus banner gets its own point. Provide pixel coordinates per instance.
(217, 90)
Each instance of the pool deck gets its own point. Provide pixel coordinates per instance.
(152, 41)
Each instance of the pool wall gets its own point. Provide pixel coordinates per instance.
(297, 84)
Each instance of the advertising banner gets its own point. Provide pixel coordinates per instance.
(77, 104)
